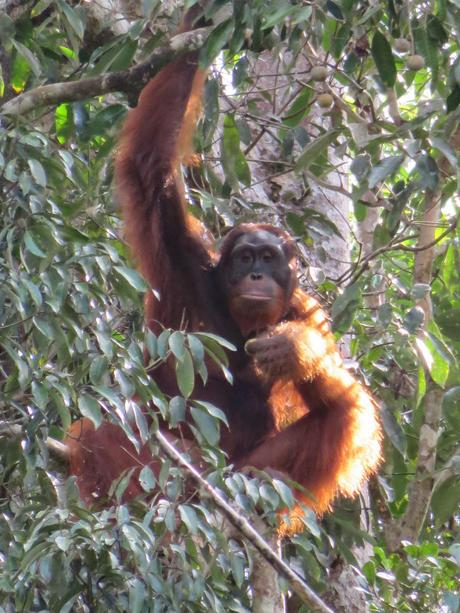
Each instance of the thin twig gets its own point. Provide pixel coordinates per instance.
(126, 81)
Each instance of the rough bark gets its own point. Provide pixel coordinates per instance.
(421, 488)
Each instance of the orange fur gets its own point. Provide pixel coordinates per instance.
(293, 406)
(333, 420)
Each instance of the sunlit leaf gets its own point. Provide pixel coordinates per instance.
(29, 57)
(233, 160)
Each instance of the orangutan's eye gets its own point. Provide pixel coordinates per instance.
(267, 256)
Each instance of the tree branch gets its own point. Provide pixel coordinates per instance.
(16, 431)
(128, 81)
(306, 594)
(421, 488)
(396, 245)
(236, 519)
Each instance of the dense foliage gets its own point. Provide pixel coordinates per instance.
(378, 125)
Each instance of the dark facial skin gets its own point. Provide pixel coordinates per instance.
(258, 281)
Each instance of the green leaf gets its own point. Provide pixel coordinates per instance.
(105, 343)
(177, 345)
(421, 386)
(133, 278)
(296, 223)
(32, 245)
(383, 58)
(126, 387)
(163, 343)
(62, 410)
(73, 18)
(436, 337)
(449, 322)
(29, 57)
(384, 168)
(370, 572)
(420, 290)
(269, 494)
(428, 170)
(34, 291)
(216, 41)
(284, 492)
(185, 374)
(151, 344)
(431, 359)
(98, 369)
(414, 319)
(212, 410)
(453, 99)
(189, 517)
(40, 394)
(207, 425)
(118, 57)
(20, 72)
(439, 358)
(103, 121)
(344, 308)
(177, 410)
(315, 220)
(7, 28)
(393, 430)
(360, 166)
(38, 172)
(196, 348)
(138, 598)
(446, 500)
(235, 166)
(311, 152)
(280, 10)
(63, 542)
(63, 122)
(335, 10)
(35, 553)
(147, 479)
(299, 108)
(208, 338)
(436, 31)
(451, 407)
(89, 407)
(238, 565)
(340, 40)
